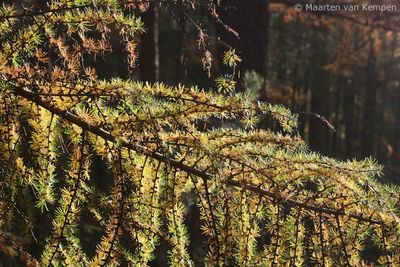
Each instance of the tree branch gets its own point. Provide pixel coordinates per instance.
(99, 131)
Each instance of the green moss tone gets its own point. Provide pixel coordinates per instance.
(264, 198)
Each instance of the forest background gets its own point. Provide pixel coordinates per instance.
(338, 70)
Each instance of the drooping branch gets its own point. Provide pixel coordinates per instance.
(69, 116)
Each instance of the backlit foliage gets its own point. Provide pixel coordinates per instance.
(265, 199)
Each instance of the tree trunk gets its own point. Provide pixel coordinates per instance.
(319, 96)
(181, 70)
(369, 121)
(149, 54)
(349, 118)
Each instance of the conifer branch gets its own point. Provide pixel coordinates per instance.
(69, 116)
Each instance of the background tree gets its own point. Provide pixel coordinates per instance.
(150, 50)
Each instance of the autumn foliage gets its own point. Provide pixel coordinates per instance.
(264, 198)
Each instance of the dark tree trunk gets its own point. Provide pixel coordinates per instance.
(349, 118)
(181, 69)
(282, 56)
(265, 40)
(395, 101)
(335, 143)
(296, 76)
(319, 96)
(369, 121)
(149, 54)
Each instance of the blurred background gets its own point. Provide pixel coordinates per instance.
(339, 70)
